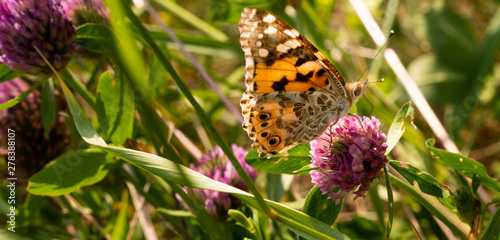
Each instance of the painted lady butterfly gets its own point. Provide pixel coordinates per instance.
(293, 92)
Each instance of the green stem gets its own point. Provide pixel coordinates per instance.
(390, 200)
(428, 205)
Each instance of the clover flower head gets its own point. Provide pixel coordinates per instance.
(348, 156)
(33, 150)
(83, 11)
(217, 166)
(27, 25)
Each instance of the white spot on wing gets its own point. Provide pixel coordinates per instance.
(270, 30)
(260, 35)
(258, 43)
(263, 52)
(296, 42)
(292, 43)
(283, 48)
(291, 33)
(269, 18)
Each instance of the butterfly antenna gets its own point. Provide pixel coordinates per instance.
(383, 46)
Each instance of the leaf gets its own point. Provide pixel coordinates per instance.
(294, 160)
(6, 74)
(465, 166)
(18, 99)
(95, 37)
(396, 130)
(115, 107)
(320, 207)
(48, 108)
(69, 172)
(426, 183)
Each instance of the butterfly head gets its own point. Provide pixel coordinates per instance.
(356, 89)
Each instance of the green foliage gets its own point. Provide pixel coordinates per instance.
(48, 108)
(70, 172)
(396, 130)
(426, 183)
(140, 114)
(115, 107)
(465, 166)
(95, 37)
(317, 205)
(290, 163)
(7, 74)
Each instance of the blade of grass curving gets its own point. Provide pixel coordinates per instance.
(427, 205)
(168, 170)
(192, 19)
(198, 110)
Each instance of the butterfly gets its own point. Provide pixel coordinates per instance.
(293, 92)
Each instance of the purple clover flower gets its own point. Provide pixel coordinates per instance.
(83, 11)
(26, 24)
(33, 150)
(348, 156)
(217, 166)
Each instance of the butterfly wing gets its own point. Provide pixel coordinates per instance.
(293, 91)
